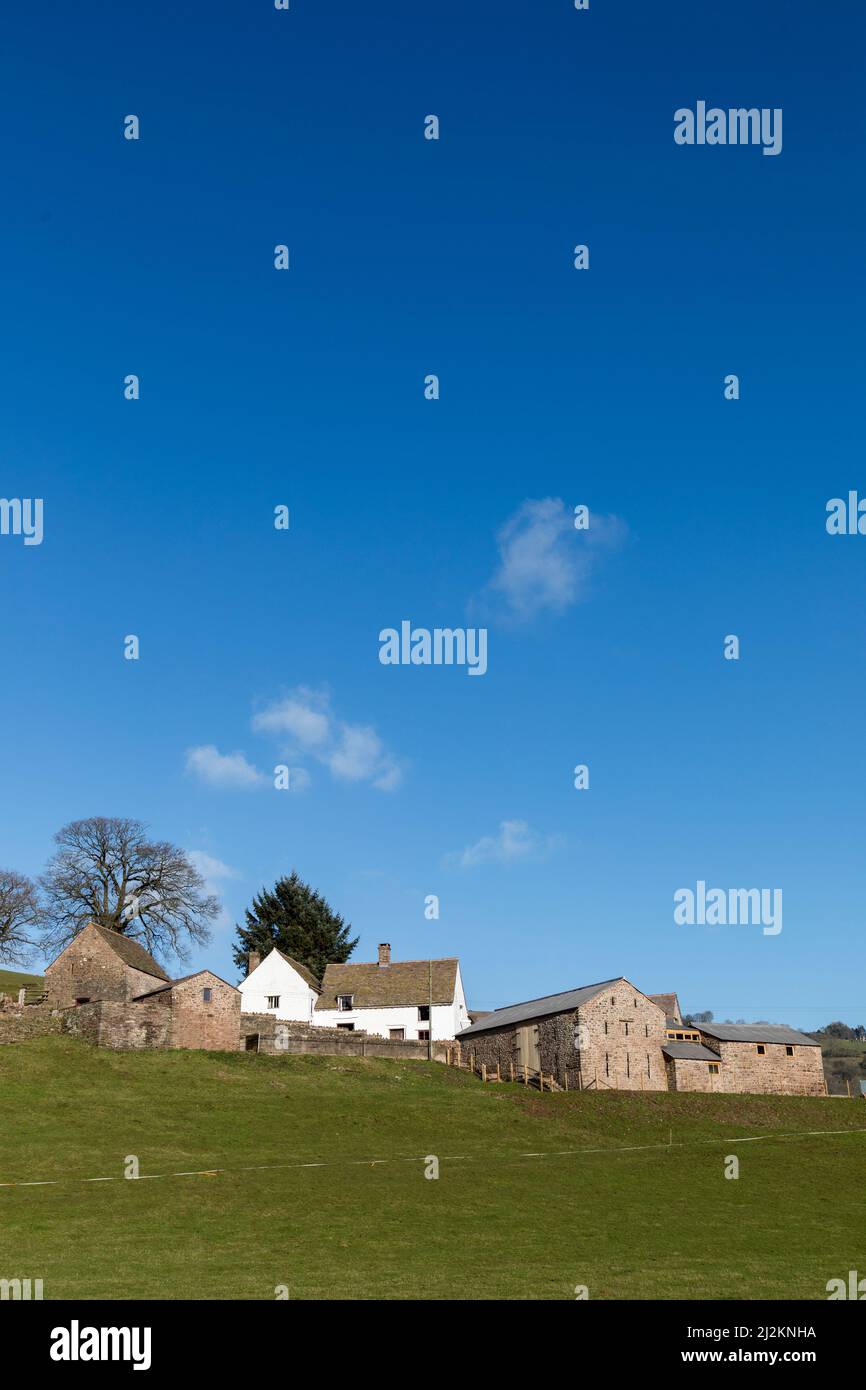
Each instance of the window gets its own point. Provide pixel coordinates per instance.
(627, 1065)
(626, 1026)
(648, 1071)
(646, 1029)
(761, 1049)
(635, 1003)
(348, 1027)
(273, 1001)
(423, 1034)
(789, 1051)
(207, 995)
(612, 1000)
(606, 1065)
(344, 1002)
(397, 1034)
(713, 1068)
(423, 1013)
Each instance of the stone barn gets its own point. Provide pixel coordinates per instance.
(101, 964)
(607, 1036)
(114, 994)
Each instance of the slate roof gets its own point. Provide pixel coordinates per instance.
(668, 1002)
(306, 975)
(180, 980)
(538, 1008)
(388, 986)
(757, 1033)
(690, 1052)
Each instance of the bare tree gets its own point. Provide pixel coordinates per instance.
(106, 870)
(19, 917)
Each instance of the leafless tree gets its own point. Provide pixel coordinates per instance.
(19, 917)
(106, 870)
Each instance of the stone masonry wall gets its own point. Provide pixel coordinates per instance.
(744, 1069)
(279, 1037)
(213, 1025)
(692, 1074)
(30, 1021)
(625, 1033)
(121, 1026)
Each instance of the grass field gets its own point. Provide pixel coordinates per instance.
(626, 1221)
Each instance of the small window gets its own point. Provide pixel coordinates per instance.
(713, 1068)
(606, 1065)
(347, 1027)
(761, 1049)
(789, 1051)
(646, 1029)
(648, 1072)
(344, 1002)
(273, 1001)
(207, 995)
(423, 1013)
(627, 1065)
(626, 1027)
(605, 1025)
(612, 1000)
(423, 1034)
(397, 1034)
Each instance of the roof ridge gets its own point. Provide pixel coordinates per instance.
(556, 994)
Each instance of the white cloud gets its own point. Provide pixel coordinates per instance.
(215, 873)
(303, 716)
(351, 752)
(222, 769)
(514, 842)
(544, 563)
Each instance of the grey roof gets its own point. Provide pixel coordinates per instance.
(690, 1052)
(756, 1032)
(538, 1008)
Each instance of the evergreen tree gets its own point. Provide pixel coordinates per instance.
(297, 920)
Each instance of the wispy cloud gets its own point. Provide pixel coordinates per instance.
(306, 725)
(215, 874)
(515, 841)
(218, 769)
(544, 562)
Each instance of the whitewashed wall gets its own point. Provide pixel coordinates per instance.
(275, 976)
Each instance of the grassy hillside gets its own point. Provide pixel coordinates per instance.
(844, 1063)
(12, 980)
(626, 1220)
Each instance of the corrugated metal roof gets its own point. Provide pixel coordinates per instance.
(757, 1033)
(690, 1052)
(538, 1008)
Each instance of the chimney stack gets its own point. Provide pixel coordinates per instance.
(384, 953)
(253, 959)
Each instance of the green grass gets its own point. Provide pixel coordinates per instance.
(658, 1222)
(13, 980)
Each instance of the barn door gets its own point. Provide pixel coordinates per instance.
(527, 1047)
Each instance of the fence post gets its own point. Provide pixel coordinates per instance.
(483, 1071)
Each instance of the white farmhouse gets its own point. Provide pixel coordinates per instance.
(280, 986)
(392, 999)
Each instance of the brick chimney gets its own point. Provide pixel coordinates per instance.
(253, 959)
(384, 953)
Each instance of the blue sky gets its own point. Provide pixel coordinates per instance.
(305, 388)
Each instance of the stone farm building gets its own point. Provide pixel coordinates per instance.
(113, 993)
(610, 1036)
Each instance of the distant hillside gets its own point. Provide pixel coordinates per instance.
(844, 1061)
(309, 1172)
(13, 980)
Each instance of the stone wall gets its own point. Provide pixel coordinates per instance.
(212, 1024)
(692, 1074)
(772, 1072)
(121, 1026)
(21, 1023)
(279, 1037)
